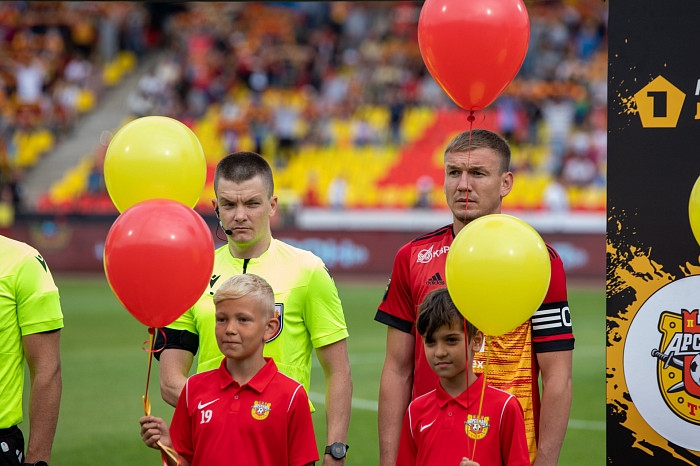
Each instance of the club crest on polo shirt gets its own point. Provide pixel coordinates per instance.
(260, 410)
(476, 427)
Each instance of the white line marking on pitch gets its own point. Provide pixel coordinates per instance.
(371, 405)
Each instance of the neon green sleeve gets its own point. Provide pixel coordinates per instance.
(185, 322)
(324, 316)
(38, 303)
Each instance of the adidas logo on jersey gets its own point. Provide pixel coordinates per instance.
(435, 280)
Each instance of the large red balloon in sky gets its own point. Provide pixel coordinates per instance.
(473, 48)
(159, 255)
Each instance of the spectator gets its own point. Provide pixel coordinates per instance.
(337, 192)
(555, 197)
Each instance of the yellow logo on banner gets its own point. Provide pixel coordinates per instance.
(659, 104)
(679, 364)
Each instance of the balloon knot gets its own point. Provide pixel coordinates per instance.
(151, 330)
(471, 117)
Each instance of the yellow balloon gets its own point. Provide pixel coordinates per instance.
(154, 157)
(694, 210)
(497, 272)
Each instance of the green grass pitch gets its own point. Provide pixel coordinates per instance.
(104, 377)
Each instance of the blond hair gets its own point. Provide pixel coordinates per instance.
(247, 284)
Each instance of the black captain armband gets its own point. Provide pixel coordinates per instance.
(393, 321)
(551, 328)
(176, 339)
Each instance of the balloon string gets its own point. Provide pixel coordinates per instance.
(152, 342)
(483, 388)
(471, 119)
(466, 351)
(165, 450)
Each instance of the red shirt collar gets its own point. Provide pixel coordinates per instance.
(259, 381)
(466, 398)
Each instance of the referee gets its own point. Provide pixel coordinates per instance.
(306, 300)
(30, 328)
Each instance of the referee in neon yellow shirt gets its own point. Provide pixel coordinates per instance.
(306, 299)
(30, 323)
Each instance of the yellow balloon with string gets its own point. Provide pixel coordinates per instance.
(497, 272)
(154, 157)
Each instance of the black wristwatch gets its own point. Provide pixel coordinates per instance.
(38, 463)
(337, 450)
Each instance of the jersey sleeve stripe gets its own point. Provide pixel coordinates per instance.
(503, 409)
(546, 326)
(292, 399)
(438, 232)
(552, 253)
(392, 321)
(564, 336)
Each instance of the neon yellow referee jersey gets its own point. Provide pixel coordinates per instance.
(306, 299)
(29, 304)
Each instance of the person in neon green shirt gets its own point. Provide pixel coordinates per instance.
(30, 323)
(306, 299)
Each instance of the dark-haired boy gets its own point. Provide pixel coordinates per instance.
(246, 411)
(442, 426)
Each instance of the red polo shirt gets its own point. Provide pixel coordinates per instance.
(266, 421)
(439, 430)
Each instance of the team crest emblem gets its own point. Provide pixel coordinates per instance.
(260, 410)
(476, 427)
(678, 366)
(279, 315)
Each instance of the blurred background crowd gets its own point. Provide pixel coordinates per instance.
(334, 94)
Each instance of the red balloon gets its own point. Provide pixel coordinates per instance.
(473, 48)
(159, 255)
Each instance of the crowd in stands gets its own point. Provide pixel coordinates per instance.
(56, 58)
(328, 89)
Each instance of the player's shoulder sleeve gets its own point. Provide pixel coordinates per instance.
(323, 312)
(513, 440)
(301, 440)
(408, 448)
(552, 329)
(181, 428)
(36, 294)
(397, 308)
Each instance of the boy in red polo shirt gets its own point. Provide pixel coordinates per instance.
(443, 426)
(246, 411)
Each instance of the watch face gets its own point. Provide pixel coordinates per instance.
(338, 450)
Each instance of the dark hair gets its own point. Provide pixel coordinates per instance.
(481, 139)
(243, 166)
(438, 310)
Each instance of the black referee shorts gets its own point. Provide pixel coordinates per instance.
(11, 447)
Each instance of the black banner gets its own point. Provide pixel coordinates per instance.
(653, 276)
